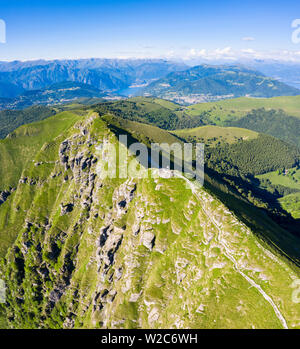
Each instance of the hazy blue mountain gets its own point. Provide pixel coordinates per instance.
(284, 71)
(287, 72)
(208, 82)
(103, 74)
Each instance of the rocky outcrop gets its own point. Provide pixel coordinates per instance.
(4, 195)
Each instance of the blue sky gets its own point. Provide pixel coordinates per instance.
(173, 29)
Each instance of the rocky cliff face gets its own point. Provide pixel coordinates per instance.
(131, 253)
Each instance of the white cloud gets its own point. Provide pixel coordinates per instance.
(227, 53)
(248, 50)
(248, 38)
(218, 53)
(223, 51)
(199, 53)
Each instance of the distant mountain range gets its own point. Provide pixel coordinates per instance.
(287, 72)
(209, 83)
(103, 74)
(23, 84)
(284, 71)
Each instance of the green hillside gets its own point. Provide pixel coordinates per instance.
(88, 252)
(143, 132)
(145, 110)
(241, 160)
(233, 165)
(272, 122)
(11, 119)
(288, 178)
(291, 203)
(235, 108)
(278, 117)
(212, 135)
(164, 103)
(20, 146)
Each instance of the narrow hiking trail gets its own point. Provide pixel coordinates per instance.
(231, 258)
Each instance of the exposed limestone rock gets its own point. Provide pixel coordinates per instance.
(153, 316)
(147, 239)
(134, 297)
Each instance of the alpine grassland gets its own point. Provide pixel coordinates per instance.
(82, 251)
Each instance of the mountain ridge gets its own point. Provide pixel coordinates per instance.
(104, 74)
(209, 83)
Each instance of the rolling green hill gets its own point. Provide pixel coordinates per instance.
(231, 113)
(272, 122)
(232, 109)
(250, 152)
(239, 157)
(287, 177)
(278, 117)
(11, 119)
(212, 135)
(142, 110)
(250, 156)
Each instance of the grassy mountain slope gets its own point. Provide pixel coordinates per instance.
(171, 116)
(20, 146)
(11, 119)
(238, 107)
(115, 253)
(249, 151)
(246, 159)
(215, 134)
(278, 117)
(289, 178)
(274, 123)
(142, 110)
(291, 203)
(228, 162)
(229, 174)
(243, 162)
